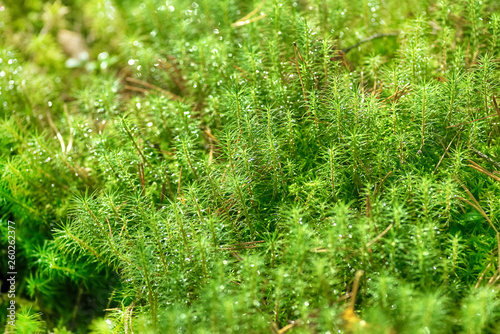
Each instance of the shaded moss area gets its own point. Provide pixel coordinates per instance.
(251, 167)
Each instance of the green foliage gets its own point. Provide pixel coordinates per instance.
(330, 166)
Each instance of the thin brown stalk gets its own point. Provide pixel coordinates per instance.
(211, 135)
(482, 275)
(482, 170)
(135, 144)
(372, 37)
(498, 248)
(485, 157)
(237, 256)
(70, 140)
(319, 250)
(109, 225)
(362, 84)
(368, 245)
(307, 65)
(189, 160)
(377, 92)
(138, 89)
(445, 151)
(167, 177)
(168, 67)
(377, 189)
(496, 106)
(238, 248)
(58, 134)
(125, 173)
(397, 95)
(355, 287)
(130, 310)
(477, 206)
(288, 327)
(243, 72)
(344, 297)
(368, 206)
(140, 170)
(240, 69)
(180, 182)
(170, 95)
(298, 71)
(494, 277)
(378, 237)
(245, 243)
(476, 120)
(246, 19)
(242, 23)
(124, 228)
(162, 192)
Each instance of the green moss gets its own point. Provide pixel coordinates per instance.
(203, 170)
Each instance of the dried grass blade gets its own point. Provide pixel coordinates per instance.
(483, 170)
(482, 275)
(171, 95)
(445, 151)
(496, 106)
(245, 19)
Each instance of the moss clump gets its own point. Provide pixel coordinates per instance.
(246, 167)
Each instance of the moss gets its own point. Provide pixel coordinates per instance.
(239, 167)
